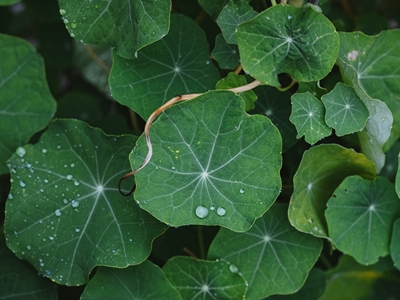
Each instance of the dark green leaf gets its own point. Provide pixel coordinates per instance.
(212, 7)
(220, 168)
(395, 244)
(313, 87)
(227, 55)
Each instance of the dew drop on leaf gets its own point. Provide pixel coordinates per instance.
(20, 151)
(221, 211)
(241, 191)
(22, 184)
(75, 203)
(57, 212)
(233, 268)
(201, 211)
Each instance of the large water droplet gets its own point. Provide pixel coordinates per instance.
(57, 212)
(241, 191)
(69, 177)
(201, 211)
(75, 203)
(20, 151)
(221, 211)
(22, 184)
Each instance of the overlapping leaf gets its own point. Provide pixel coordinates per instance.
(126, 25)
(313, 87)
(225, 54)
(285, 39)
(64, 213)
(144, 281)
(204, 279)
(360, 215)
(395, 244)
(308, 115)
(273, 257)
(212, 7)
(321, 170)
(219, 168)
(26, 105)
(345, 111)
(178, 64)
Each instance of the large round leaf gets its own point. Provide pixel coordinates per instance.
(212, 164)
(65, 214)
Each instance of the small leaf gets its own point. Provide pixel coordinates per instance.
(395, 244)
(126, 25)
(26, 105)
(201, 279)
(178, 64)
(308, 115)
(65, 214)
(227, 55)
(232, 15)
(321, 170)
(285, 39)
(345, 111)
(219, 168)
(144, 281)
(273, 257)
(360, 215)
(234, 80)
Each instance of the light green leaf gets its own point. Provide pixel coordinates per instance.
(273, 257)
(321, 170)
(232, 15)
(178, 64)
(219, 168)
(144, 281)
(379, 124)
(285, 39)
(125, 25)
(26, 105)
(313, 87)
(395, 244)
(19, 280)
(375, 60)
(360, 215)
(227, 55)
(65, 214)
(233, 80)
(345, 111)
(308, 115)
(202, 279)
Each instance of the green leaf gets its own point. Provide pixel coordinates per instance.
(26, 105)
(8, 2)
(212, 7)
(19, 280)
(178, 64)
(321, 170)
(65, 214)
(308, 115)
(273, 257)
(202, 279)
(313, 87)
(395, 244)
(379, 124)
(125, 25)
(345, 111)
(220, 168)
(360, 215)
(285, 39)
(233, 80)
(227, 55)
(232, 15)
(374, 59)
(144, 281)
(276, 105)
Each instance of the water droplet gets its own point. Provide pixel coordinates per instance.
(73, 25)
(233, 268)
(310, 220)
(29, 247)
(74, 203)
(241, 191)
(221, 211)
(20, 151)
(57, 212)
(173, 168)
(65, 201)
(76, 183)
(62, 11)
(69, 177)
(201, 211)
(77, 230)
(22, 184)
(212, 207)
(72, 165)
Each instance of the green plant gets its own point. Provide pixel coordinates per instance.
(270, 214)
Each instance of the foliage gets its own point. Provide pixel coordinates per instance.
(268, 170)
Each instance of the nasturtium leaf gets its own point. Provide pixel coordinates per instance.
(8, 2)
(215, 168)
(285, 39)
(276, 105)
(395, 244)
(273, 257)
(233, 14)
(178, 64)
(144, 281)
(313, 87)
(375, 59)
(379, 124)
(65, 214)
(19, 280)
(227, 55)
(360, 215)
(212, 7)
(233, 80)
(345, 111)
(125, 25)
(26, 105)
(320, 172)
(308, 115)
(202, 279)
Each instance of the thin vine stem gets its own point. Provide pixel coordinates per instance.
(158, 111)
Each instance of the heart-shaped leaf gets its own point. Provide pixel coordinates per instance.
(215, 168)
